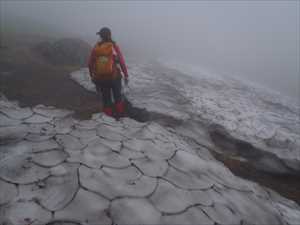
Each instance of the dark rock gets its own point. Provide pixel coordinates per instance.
(260, 159)
(70, 52)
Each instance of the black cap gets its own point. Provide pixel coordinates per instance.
(105, 31)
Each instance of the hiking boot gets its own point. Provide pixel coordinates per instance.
(120, 108)
(108, 111)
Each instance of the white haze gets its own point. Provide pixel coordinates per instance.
(256, 41)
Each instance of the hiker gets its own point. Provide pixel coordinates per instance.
(106, 63)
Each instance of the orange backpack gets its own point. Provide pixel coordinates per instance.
(105, 66)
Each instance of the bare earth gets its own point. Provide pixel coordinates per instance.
(27, 78)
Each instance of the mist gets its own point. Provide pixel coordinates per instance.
(256, 41)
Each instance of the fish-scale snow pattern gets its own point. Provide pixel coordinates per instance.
(266, 119)
(248, 111)
(104, 171)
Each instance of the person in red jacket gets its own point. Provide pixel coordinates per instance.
(106, 65)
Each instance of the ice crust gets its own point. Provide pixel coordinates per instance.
(251, 112)
(57, 170)
(262, 117)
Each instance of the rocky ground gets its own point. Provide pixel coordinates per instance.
(31, 78)
(78, 166)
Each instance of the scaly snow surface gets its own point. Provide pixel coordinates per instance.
(263, 118)
(58, 170)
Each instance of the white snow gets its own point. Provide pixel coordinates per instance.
(56, 168)
(251, 112)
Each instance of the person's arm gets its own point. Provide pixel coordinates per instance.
(91, 63)
(122, 61)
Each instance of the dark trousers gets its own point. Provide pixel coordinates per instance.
(109, 89)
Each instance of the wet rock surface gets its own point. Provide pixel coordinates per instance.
(103, 171)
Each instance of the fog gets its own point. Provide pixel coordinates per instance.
(256, 41)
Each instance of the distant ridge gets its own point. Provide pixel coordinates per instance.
(67, 51)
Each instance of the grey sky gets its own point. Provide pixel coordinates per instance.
(255, 40)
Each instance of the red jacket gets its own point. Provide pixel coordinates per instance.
(92, 60)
